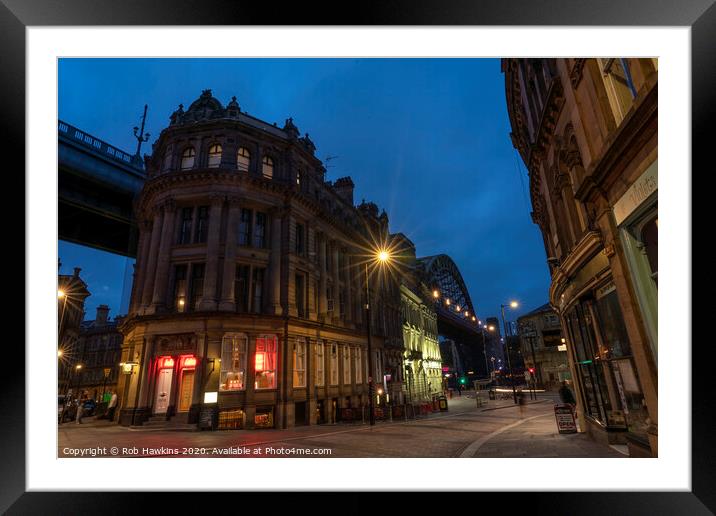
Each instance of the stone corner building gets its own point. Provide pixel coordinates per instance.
(249, 284)
(587, 132)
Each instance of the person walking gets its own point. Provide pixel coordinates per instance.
(522, 403)
(565, 394)
(112, 406)
(80, 409)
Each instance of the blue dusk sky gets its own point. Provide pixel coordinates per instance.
(425, 139)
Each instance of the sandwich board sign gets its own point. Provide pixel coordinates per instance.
(565, 419)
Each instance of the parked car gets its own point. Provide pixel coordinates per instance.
(89, 407)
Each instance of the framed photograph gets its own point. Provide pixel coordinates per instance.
(413, 251)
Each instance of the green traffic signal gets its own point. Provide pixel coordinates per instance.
(462, 380)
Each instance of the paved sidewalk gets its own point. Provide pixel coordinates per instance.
(537, 436)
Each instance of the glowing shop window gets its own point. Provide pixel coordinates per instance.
(265, 362)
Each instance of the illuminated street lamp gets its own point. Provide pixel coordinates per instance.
(382, 256)
(513, 304)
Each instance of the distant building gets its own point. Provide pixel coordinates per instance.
(422, 362)
(100, 349)
(542, 347)
(71, 294)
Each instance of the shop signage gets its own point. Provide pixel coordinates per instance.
(603, 291)
(177, 344)
(637, 193)
(565, 419)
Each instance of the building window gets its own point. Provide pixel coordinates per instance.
(197, 284)
(346, 365)
(613, 329)
(233, 362)
(258, 290)
(342, 303)
(619, 86)
(300, 239)
(358, 365)
(214, 156)
(260, 230)
(243, 159)
(650, 239)
(202, 224)
(333, 370)
(267, 167)
(299, 363)
(241, 288)
(315, 295)
(591, 371)
(300, 295)
(180, 288)
(187, 158)
(245, 227)
(298, 178)
(319, 368)
(329, 257)
(187, 216)
(329, 298)
(265, 362)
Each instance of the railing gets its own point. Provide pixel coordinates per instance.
(98, 146)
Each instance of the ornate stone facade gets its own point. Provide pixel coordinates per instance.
(587, 131)
(249, 284)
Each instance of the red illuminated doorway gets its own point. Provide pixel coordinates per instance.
(163, 392)
(187, 383)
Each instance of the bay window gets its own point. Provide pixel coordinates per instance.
(333, 370)
(346, 365)
(320, 379)
(299, 363)
(265, 362)
(358, 365)
(233, 362)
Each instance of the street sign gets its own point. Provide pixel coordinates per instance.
(565, 419)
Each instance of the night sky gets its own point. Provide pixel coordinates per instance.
(426, 139)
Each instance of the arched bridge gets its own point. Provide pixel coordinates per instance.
(443, 276)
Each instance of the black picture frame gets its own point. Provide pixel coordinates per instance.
(17, 15)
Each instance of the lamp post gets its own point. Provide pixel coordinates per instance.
(382, 257)
(513, 304)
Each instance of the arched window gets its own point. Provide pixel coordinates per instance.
(267, 168)
(214, 156)
(187, 158)
(243, 159)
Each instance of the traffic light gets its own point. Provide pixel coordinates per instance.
(462, 380)
(532, 370)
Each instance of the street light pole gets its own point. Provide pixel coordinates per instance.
(509, 361)
(371, 415)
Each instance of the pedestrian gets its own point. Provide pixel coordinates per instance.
(565, 394)
(522, 403)
(112, 406)
(80, 410)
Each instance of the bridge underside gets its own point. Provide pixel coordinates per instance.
(469, 344)
(83, 226)
(92, 214)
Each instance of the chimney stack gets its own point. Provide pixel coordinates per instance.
(102, 315)
(344, 188)
(77, 272)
